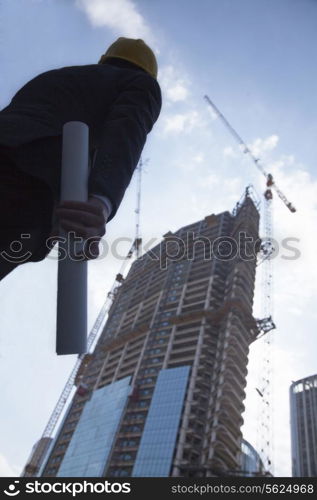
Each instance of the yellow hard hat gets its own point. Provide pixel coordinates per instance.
(135, 51)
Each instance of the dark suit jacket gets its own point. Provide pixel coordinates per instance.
(119, 105)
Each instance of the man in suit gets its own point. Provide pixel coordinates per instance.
(120, 100)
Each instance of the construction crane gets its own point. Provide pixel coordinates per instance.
(270, 183)
(138, 239)
(266, 325)
(40, 449)
(265, 370)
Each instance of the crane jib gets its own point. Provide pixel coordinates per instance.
(247, 150)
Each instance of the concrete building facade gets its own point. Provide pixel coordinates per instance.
(162, 393)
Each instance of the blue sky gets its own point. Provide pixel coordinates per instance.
(256, 61)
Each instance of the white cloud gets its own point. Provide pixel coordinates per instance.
(7, 470)
(121, 16)
(174, 86)
(233, 186)
(212, 114)
(183, 122)
(300, 225)
(193, 162)
(177, 93)
(229, 152)
(208, 181)
(198, 158)
(261, 146)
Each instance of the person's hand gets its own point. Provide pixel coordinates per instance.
(86, 219)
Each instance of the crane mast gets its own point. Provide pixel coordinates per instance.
(138, 240)
(265, 386)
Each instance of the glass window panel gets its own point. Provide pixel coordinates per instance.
(155, 453)
(89, 448)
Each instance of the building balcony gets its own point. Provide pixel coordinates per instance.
(228, 418)
(235, 397)
(226, 449)
(222, 461)
(129, 434)
(121, 463)
(233, 383)
(238, 372)
(240, 334)
(202, 386)
(183, 356)
(184, 345)
(118, 448)
(238, 357)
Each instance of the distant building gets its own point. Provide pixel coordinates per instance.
(162, 394)
(303, 402)
(251, 463)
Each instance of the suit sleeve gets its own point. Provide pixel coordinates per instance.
(124, 133)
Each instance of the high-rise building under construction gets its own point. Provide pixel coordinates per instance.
(162, 393)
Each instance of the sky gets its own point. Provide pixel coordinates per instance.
(256, 60)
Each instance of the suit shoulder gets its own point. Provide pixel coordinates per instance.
(146, 82)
